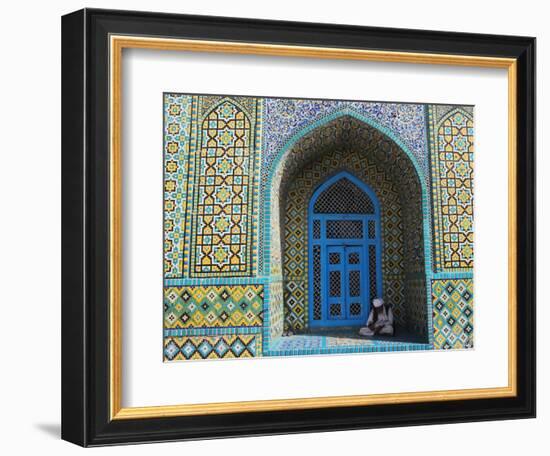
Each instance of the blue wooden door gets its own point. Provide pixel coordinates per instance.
(345, 252)
(347, 299)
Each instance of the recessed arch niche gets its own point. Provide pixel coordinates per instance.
(346, 143)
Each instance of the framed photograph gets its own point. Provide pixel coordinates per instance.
(278, 227)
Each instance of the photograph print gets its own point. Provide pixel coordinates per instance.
(297, 227)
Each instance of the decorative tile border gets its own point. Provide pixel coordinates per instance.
(178, 128)
(212, 347)
(323, 345)
(213, 306)
(453, 304)
(180, 332)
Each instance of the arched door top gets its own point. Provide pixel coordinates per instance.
(344, 193)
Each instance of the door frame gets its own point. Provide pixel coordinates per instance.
(365, 242)
(345, 301)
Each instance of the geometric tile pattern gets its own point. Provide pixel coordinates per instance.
(212, 347)
(415, 297)
(213, 306)
(284, 117)
(221, 244)
(452, 187)
(276, 309)
(413, 233)
(298, 344)
(453, 302)
(209, 102)
(177, 131)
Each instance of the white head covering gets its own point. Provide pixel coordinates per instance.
(377, 302)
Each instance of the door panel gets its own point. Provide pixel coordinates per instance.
(346, 297)
(335, 302)
(355, 281)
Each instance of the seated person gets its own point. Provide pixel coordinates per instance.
(380, 321)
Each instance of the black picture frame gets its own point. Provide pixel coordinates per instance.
(85, 228)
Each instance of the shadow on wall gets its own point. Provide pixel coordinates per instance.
(51, 429)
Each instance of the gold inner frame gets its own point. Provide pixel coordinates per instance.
(117, 44)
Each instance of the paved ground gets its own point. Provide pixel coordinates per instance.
(344, 340)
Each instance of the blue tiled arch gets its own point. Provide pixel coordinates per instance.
(426, 204)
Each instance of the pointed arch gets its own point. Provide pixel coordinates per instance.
(356, 182)
(452, 190)
(282, 155)
(388, 160)
(234, 101)
(223, 194)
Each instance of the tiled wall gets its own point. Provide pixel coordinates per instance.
(451, 135)
(453, 305)
(235, 253)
